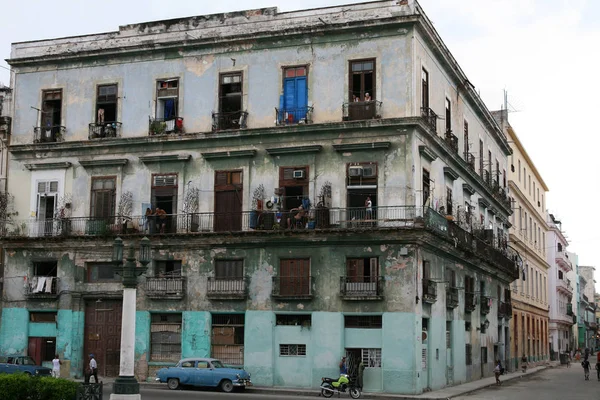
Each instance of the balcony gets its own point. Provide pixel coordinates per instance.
(470, 160)
(574, 319)
(452, 298)
(570, 309)
(504, 310)
(430, 117)
(171, 288)
(485, 305)
(562, 259)
(293, 116)
(331, 219)
(105, 130)
(49, 134)
(361, 287)
(470, 302)
(564, 286)
(292, 287)
(42, 287)
(451, 140)
(162, 126)
(429, 291)
(229, 288)
(229, 120)
(487, 178)
(361, 110)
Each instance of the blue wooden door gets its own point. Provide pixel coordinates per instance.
(295, 98)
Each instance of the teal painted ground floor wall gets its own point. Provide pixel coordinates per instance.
(397, 356)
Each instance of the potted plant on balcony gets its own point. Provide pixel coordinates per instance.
(157, 127)
(62, 215)
(257, 205)
(124, 212)
(321, 214)
(191, 206)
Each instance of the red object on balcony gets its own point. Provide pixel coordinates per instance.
(179, 123)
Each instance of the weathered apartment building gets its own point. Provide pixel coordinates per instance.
(529, 325)
(587, 325)
(5, 200)
(229, 123)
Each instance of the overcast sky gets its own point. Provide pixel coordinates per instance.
(545, 53)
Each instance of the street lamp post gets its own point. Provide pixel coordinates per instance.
(126, 387)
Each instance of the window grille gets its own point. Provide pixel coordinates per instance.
(363, 321)
(165, 337)
(468, 355)
(294, 319)
(371, 358)
(289, 350)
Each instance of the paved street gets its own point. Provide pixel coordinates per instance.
(161, 393)
(551, 384)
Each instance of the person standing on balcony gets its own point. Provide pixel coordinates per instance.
(161, 219)
(148, 220)
(368, 97)
(369, 208)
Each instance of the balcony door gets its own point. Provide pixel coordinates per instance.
(47, 192)
(228, 201)
(295, 95)
(164, 196)
(294, 277)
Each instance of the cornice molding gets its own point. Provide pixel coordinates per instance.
(294, 150)
(229, 154)
(362, 146)
(48, 165)
(113, 162)
(165, 158)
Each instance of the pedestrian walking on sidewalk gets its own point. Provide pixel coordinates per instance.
(598, 370)
(524, 363)
(497, 372)
(586, 369)
(56, 363)
(92, 370)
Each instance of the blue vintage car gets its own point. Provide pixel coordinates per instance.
(203, 372)
(23, 364)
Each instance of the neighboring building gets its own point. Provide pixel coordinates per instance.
(573, 277)
(527, 190)
(401, 261)
(5, 200)
(588, 326)
(561, 289)
(597, 301)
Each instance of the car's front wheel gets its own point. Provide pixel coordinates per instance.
(227, 386)
(173, 383)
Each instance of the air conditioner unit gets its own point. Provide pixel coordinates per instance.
(355, 171)
(298, 174)
(368, 172)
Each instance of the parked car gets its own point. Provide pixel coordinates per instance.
(203, 372)
(24, 364)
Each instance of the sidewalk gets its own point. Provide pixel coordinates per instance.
(445, 393)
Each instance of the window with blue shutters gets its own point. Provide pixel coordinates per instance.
(293, 105)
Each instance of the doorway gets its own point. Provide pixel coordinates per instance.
(164, 196)
(449, 359)
(103, 335)
(228, 201)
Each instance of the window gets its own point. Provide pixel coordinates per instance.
(101, 272)
(227, 340)
(529, 185)
(106, 104)
(304, 320)
(371, 358)
(450, 277)
(167, 100)
(165, 337)
(466, 138)
(448, 115)
(519, 170)
(448, 201)
(294, 277)
(228, 269)
(424, 88)
(51, 108)
(227, 178)
(294, 101)
(362, 269)
(42, 316)
(362, 80)
(47, 191)
(103, 197)
(480, 157)
(484, 355)
(289, 350)
(426, 187)
(45, 268)
(490, 162)
(168, 269)
(363, 321)
(504, 178)
(468, 355)
(230, 95)
(497, 173)
(202, 364)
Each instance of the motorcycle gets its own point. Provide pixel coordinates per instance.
(330, 386)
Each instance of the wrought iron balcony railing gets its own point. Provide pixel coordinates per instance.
(361, 110)
(451, 140)
(429, 291)
(292, 116)
(161, 126)
(487, 178)
(470, 302)
(361, 287)
(451, 297)
(105, 130)
(430, 117)
(504, 310)
(48, 134)
(227, 288)
(42, 287)
(569, 309)
(292, 287)
(169, 288)
(229, 120)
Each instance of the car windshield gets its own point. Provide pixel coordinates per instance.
(217, 364)
(26, 361)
